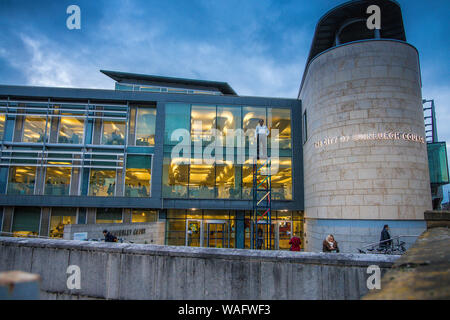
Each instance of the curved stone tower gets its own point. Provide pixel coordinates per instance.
(365, 154)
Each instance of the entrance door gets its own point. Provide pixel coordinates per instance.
(194, 231)
(217, 234)
(284, 234)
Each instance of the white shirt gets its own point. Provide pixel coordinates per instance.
(261, 130)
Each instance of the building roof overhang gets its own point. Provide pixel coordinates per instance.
(125, 77)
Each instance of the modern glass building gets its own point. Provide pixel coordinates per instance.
(77, 156)
(350, 152)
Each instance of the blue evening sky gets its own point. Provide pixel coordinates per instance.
(258, 46)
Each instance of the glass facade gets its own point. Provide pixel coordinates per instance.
(113, 133)
(224, 229)
(59, 218)
(102, 183)
(437, 162)
(142, 215)
(26, 221)
(138, 176)
(145, 126)
(109, 215)
(57, 181)
(21, 180)
(34, 129)
(227, 176)
(71, 130)
(2, 126)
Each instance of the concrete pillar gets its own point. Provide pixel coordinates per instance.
(126, 215)
(45, 222)
(91, 215)
(8, 213)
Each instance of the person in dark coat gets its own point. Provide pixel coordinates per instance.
(330, 245)
(295, 243)
(109, 237)
(385, 236)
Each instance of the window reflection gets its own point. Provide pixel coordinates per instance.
(175, 177)
(201, 181)
(108, 215)
(280, 119)
(2, 125)
(57, 181)
(141, 215)
(282, 180)
(102, 183)
(21, 180)
(203, 119)
(228, 181)
(145, 126)
(71, 130)
(228, 120)
(138, 176)
(60, 217)
(250, 120)
(113, 133)
(34, 129)
(247, 180)
(177, 117)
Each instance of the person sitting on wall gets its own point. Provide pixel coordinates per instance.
(295, 243)
(385, 236)
(109, 237)
(330, 245)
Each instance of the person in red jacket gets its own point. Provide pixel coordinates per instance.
(295, 243)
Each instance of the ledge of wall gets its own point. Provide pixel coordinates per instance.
(422, 272)
(133, 271)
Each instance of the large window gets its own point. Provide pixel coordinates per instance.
(113, 133)
(177, 117)
(228, 177)
(102, 183)
(203, 119)
(61, 217)
(21, 180)
(175, 177)
(57, 181)
(142, 215)
(145, 126)
(71, 130)
(281, 179)
(34, 129)
(26, 221)
(280, 119)
(109, 215)
(201, 181)
(228, 180)
(2, 126)
(138, 176)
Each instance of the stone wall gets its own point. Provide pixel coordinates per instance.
(134, 271)
(144, 232)
(359, 88)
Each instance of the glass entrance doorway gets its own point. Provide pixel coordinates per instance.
(194, 230)
(217, 234)
(207, 233)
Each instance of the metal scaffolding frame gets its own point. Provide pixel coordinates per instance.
(261, 222)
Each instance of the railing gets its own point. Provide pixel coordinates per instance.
(21, 235)
(389, 246)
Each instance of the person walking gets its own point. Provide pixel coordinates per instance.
(295, 243)
(385, 235)
(330, 245)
